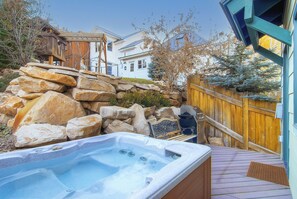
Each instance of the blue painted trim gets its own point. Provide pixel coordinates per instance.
(270, 29)
(295, 67)
(224, 4)
(270, 55)
(254, 37)
(285, 119)
(249, 11)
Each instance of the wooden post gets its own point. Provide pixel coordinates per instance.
(51, 59)
(105, 57)
(189, 91)
(245, 123)
(99, 57)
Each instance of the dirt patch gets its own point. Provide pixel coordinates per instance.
(6, 139)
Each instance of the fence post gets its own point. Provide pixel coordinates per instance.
(189, 91)
(245, 123)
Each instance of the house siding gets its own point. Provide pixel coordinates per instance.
(289, 24)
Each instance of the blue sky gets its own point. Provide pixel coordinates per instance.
(118, 15)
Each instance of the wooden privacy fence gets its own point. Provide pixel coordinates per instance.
(241, 122)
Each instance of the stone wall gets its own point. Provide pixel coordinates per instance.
(75, 104)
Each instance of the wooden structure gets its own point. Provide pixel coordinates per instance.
(53, 45)
(239, 121)
(168, 129)
(228, 175)
(78, 48)
(196, 185)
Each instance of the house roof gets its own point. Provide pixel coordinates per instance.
(193, 37)
(133, 44)
(130, 35)
(83, 36)
(108, 32)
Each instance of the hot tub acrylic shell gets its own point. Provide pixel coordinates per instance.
(193, 159)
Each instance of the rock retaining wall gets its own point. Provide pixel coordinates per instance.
(47, 97)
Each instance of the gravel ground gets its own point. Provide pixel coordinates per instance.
(6, 139)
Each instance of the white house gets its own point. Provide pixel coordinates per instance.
(134, 58)
(126, 55)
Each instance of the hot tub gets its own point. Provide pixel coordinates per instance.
(118, 165)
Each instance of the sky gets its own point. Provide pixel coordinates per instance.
(119, 15)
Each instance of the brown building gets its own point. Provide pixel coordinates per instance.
(78, 48)
(52, 47)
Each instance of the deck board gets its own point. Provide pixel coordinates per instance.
(229, 180)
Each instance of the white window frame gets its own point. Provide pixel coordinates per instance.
(132, 63)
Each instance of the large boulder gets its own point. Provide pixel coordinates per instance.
(148, 87)
(119, 126)
(174, 102)
(39, 134)
(64, 72)
(14, 81)
(139, 121)
(4, 118)
(109, 79)
(124, 87)
(84, 126)
(98, 85)
(10, 105)
(4, 96)
(176, 111)
(116, 112)
(28, 96)
(14, 89)
(94, 106)
(175, 96)
(48, 66)
(53, 108)
(165, 112)
(91, 95)
(50, 76)
(120, 95)
(87, 72)
(148, 111)
(33, 85)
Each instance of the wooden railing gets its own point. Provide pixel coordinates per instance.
(241, 122)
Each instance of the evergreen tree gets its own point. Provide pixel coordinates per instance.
(253, 75)
(155, 72)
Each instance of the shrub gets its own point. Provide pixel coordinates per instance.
(146, 99)
(4, 81)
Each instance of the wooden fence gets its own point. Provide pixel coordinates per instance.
(241, 122)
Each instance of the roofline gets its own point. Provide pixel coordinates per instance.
(135, 55)
(108, 32)
(229, 17)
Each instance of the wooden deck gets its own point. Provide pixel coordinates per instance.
(229, 181)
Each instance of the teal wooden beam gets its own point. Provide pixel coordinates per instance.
(270, 55)
(249, 11)
(235, 6)
(254, 37)
(270, 29)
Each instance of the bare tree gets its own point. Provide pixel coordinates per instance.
(172, 46)
(20, 26)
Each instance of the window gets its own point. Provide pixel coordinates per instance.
(139, 64)
(131, 66)
(125, 67)
(109, 45)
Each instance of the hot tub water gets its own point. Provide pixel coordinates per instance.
(111, 172)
